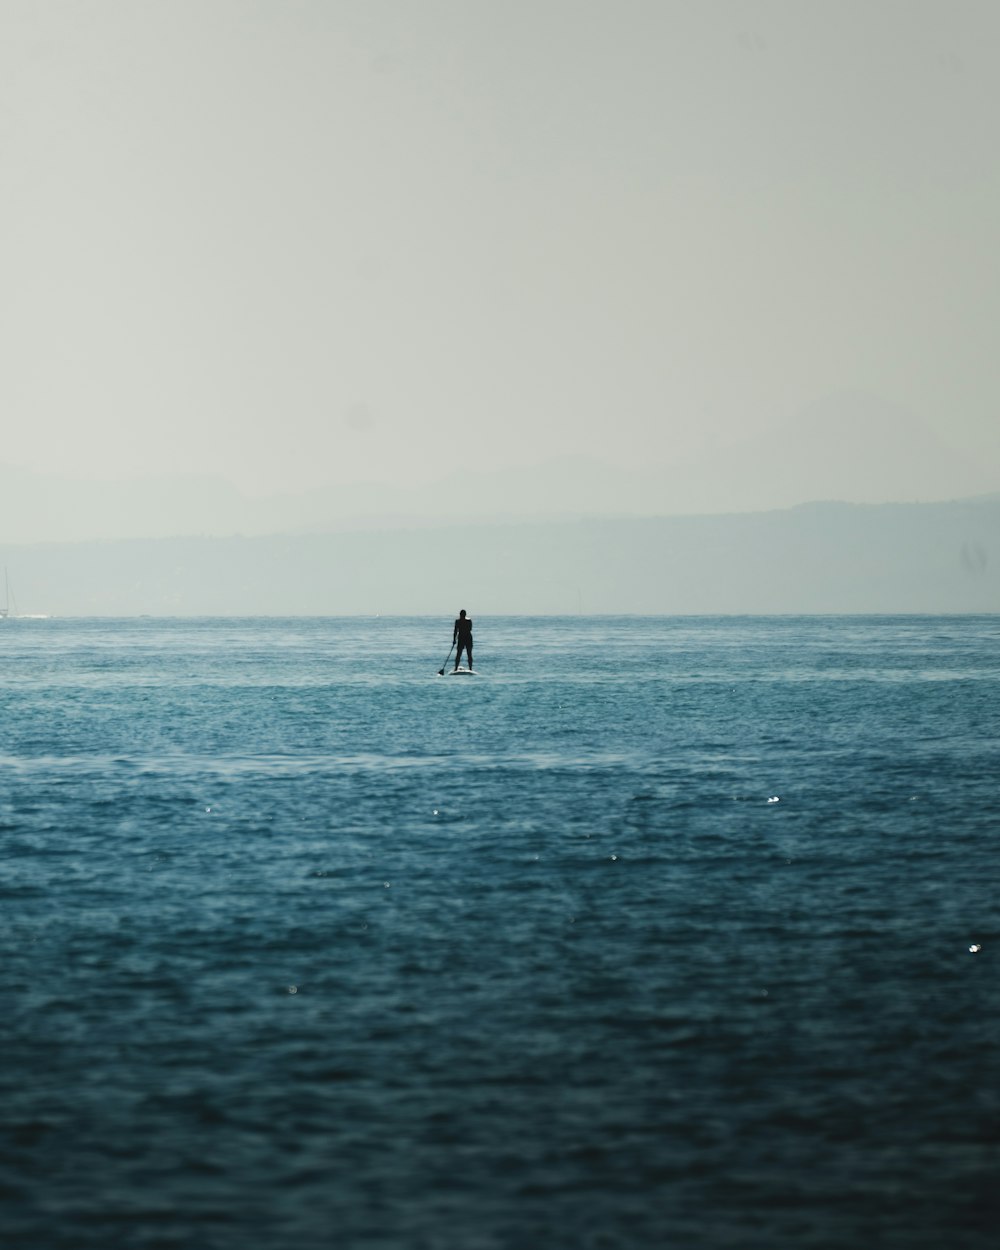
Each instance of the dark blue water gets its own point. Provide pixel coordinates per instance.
(674, 932)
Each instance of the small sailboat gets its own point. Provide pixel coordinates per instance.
(8, 610)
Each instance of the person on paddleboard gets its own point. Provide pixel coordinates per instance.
(462, 634)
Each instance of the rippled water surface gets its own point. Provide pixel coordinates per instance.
(673, 932)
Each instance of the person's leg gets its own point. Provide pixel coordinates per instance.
(468, 653)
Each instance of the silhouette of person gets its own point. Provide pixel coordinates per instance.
(462, 634)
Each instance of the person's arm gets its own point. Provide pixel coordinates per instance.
(454, 634)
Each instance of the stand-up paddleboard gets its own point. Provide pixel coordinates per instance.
(462, 672)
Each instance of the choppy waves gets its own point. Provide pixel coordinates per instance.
(662, 933)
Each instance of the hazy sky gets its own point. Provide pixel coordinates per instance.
(294, 242)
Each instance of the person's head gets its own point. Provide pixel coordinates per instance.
(462, 613)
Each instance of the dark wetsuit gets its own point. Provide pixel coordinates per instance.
(462, 634)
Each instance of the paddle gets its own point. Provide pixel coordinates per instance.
(446, 659)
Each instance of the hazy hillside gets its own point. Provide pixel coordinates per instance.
(816, 558)
(851, 447)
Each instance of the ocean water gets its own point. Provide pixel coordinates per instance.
(659, 932)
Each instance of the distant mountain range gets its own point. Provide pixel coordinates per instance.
(849, 448)
(932, 557)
